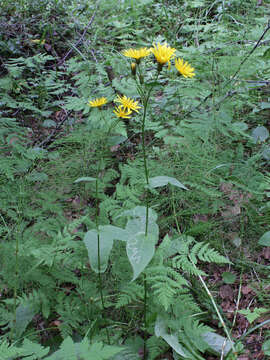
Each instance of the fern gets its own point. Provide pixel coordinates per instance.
(68, 351)
(156, 347)
(29, 349)
(84, 351)
(130, 293)
(191, 252)
(166, 284)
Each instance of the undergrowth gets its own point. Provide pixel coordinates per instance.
(137, 236)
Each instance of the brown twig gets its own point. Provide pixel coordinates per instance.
(232, 78)
(60, 62)
(50, 138)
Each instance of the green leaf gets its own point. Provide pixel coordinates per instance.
(36, 350)
(266, 153)
(252, 315)
(266, 54)
(266, 347)
(84, 350)
(217, 342)
(107, 234)
(265, 239)
(140, 212)
(171, 339)
(24, 315)
(140, 250)
(86, 178)
(165, 180)
(259, 134)
(67, 351)
(37, 176)
(116, 140)
(103, 352)
(49, 123)
(228, 277)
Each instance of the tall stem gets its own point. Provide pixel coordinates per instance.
(98, 240)
(146, 173)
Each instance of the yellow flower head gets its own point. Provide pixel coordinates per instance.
(184, 68)
(128, 103)
(98, 102)
(137, 53)
(121, 112)
(163, 53)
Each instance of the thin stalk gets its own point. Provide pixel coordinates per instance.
(146, 172)
(97, 225)
(174, 213)
(216, 309)
(15, 292)
(98, 239)
(16, 284)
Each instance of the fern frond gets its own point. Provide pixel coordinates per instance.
(130, 293)
(156, 346)
(210, 255)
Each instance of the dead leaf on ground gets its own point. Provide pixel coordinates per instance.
(226, 292)
(246, 290)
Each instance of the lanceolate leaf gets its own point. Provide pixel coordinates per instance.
(86, 178)
(106, 234)
(165, 180)
(140, 248)
(24, 315)
(140, 212)
(217, 342)
(265, 239)
(260, 133)
(171, 339)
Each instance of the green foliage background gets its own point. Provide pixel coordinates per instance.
(210, 132)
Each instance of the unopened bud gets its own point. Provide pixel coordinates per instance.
(133, 67)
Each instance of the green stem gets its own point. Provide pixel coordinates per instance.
(145, 104)
(16, 285)
(15, 293)
(216, 309)
(97, 225)
(98, 239)
(174, 213)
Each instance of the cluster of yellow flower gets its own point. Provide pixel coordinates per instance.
(122, 111)
(163, 54)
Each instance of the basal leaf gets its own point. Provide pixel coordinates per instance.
(259, 134)
(106, 234)
(24, 315)
(265, 239)
(86, 178)
(140, 212)
(140, 250)
(217, 342)
(165, 180)
(171, 339)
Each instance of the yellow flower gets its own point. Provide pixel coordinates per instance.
(121, 112)
(128, 103)
(98, 102)
(184, 68)
(137, 53)
(163, 54)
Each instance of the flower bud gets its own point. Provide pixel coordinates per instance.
(133, 67)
